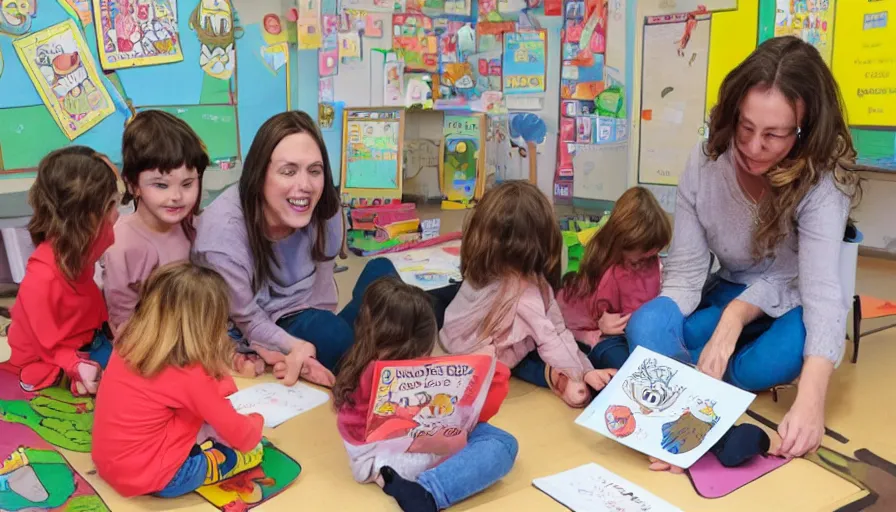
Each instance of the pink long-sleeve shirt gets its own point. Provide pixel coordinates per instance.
(533, 322)
(621, 290)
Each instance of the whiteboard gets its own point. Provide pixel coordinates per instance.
(601, 171)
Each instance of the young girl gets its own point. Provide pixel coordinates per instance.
(619, 272)
(396, 322)
(59, 317)
(162, 421)
(164, 161)
(510, 261)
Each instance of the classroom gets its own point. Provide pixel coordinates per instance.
(442, 126)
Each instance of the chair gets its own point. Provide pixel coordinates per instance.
(867, 307)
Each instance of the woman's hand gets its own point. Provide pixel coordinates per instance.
(612, 323)
(717, 353)
(802, 428)
(299, 362)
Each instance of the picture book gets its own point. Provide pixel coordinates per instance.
(592, 488)
(435, 401)
(276, 402)
(665, 409)
(429, 268)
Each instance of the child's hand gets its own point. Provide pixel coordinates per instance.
(598, 379)
(301, 362)
(89, 374)
(658, 465)
(248, 365)
(613, 323)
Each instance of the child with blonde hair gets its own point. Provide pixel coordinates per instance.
(163, 423)
(620, 271)
(510, 261)
(58, 328)
(164, 161)
(396, 322)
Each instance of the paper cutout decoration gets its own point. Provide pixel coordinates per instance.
(812, 22)
(592, 488)
(414, 40)
(328, 56)
(255, 486)
(136, 34)
(326, 115)
(16, 15)
(81, 9)
(713, 480)
(524, 62)
(679, 413)
(310, 32)
(214, 25)
(276, 402)
(462, 156)
(275, 56)
(68, 85)
(349, 47)
(327, 90)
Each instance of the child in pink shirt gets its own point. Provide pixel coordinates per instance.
(164, 161)
(510, 261)
(619, 272)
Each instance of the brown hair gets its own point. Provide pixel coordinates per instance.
(74, 191)
(255, 170)
(180, 319)
(824, 144)
(637, 223)
(157, 140)
(396, 322)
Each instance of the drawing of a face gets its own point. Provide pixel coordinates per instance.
(15, 16)
(650, 387)
(213, 22)
(272, 24)
(620, 421)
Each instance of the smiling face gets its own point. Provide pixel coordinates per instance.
(166, 199)
(15, 16)
(293, 184)
(766, 129)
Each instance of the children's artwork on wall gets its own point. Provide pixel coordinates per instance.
(275, 56)
(68, 85)
(328, 55)
(136, 34)
(812, 22)
(213, 22)
(462, 156)
(308, 24)
(665, 409)
(273, 29)
(374, 5)
(326, 91)
(349, 47)
(414, 40)
(584, 41)
(418, 90)
(255, 486)
(673, 95)
(80, 9)
(524, 62)
(371, 161)
(16, 16)
(501, 10)
(497, 152)
(393, 84)
(421, 169)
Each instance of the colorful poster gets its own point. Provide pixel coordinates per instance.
(16, 16)
(864, 61)
(308, 25)
(501, 10)
(665, 409)
(328, 55)
(812, 22)
(136, 34)
(213, 22)
(415, 42)
(584, 43)
(69, 86)
(460, 156)
(371, 150)
(524, 62)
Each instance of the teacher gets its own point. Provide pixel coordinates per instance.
(768, 194)
(274, 238)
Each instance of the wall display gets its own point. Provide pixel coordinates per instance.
(136, 34)
(372, 149)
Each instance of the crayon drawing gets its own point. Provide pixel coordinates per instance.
(213, 22)
(132, 33)
(461, 154)
(524, 62)
(68, 85)
(415, 42)
(15, 16)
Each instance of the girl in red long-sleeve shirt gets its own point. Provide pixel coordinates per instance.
(163, 424)
(59, 317)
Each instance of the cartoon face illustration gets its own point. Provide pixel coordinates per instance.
(620, 420)
(650, 387)
(16, 15)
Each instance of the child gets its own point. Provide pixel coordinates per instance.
(164, 392)
(510, 261)
(59, 317)
(164, 161)
(619, 272)
(396, 322)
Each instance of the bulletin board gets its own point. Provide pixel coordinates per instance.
(462, 157)
(372, 143)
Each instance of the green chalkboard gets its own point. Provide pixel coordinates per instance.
(26, 135)
(215, 125)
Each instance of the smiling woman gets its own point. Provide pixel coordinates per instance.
(273, 238)
(768, 194)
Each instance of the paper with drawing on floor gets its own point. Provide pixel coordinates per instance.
(429, 268)
(665, 409)
(592, 488)
(276, 402)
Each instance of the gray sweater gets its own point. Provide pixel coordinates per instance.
(712, 214)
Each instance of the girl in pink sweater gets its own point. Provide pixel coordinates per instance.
(510, 261)
(620, 271)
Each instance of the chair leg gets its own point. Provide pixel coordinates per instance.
(856, 326)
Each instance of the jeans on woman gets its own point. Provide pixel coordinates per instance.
(769, 350)
(609, 353)
(487, 458)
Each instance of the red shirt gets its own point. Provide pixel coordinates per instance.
(53, 318)
(144, 428)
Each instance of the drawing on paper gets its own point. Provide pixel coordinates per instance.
(16, 15)
(415, 42)
(371, 153)
(213, 22)
(650, 387)
(689, 430)
(428, 269)
(811, 21)
(328, 56)
(524, 62)
(68, 85)
(584, 44)
(77, 8)
(132, 33)
(276, 402)
(460, 162)
(620, 420)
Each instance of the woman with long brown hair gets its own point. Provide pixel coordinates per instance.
(768, 194)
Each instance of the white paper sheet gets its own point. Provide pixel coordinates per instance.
(276, 402)
(592, 488)
(429, 268)
(664, 408)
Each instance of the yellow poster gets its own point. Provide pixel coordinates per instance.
(810, 20)
(131, 34)
(865, 60)
(67, 83)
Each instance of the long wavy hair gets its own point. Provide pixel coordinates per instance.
(396, 322)
(74, 191)
(824, 144)
(251, 187)
(637, 223)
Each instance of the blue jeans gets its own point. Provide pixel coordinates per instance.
(769, 351)
(100, 349)
(194, 471)
(609, 353)
(487, 457)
